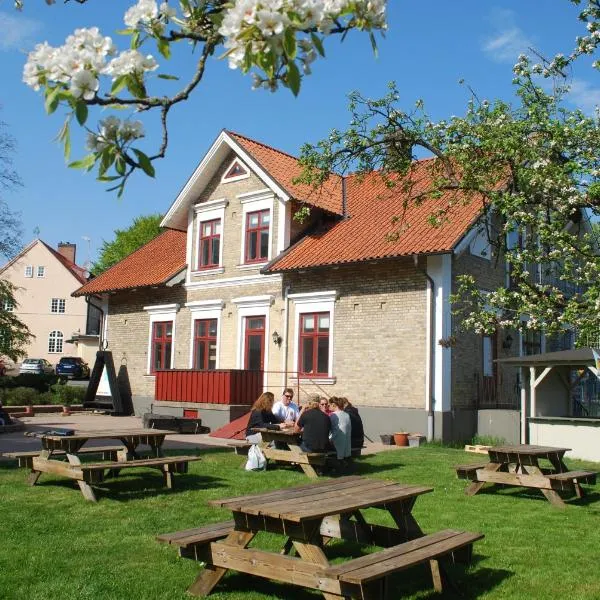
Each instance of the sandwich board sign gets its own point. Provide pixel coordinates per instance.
(103, 390)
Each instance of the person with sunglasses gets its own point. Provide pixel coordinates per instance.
(286, 409)
(324, 406)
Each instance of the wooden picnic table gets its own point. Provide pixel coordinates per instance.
(308, 517)
(70, 445)
(519, 465)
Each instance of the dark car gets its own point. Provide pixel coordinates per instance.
(72, 367)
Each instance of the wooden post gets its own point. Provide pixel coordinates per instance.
(524, 431)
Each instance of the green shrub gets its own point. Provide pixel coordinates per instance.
(488, 440)
(68, 394)
(41, 383)
(20, 396)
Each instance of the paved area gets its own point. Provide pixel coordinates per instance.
(17, 442)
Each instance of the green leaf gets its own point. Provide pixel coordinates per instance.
(125, 31)
(67, 140)
(289, 43)
(170, 77)
(107, 160)
(135, 40)
(293, 78)
(164, 48)
(120, 165)
(135, 87)
(318, 43)
(118, 84)
(81, 112)
(144, 162)
(108, 178)
(373, 44)
(87, 162)
(52, 100)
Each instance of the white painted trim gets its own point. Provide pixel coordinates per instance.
(314, 302)
(250, 205)
(161, 312)
(284, 218)
(439, 268)
(234, 281)
(263, 194)
(189, 245)
(218, 204)
(254, 301)
(205, 309)
(208, 272)
(225, 179)
(208, 211)
(314, 380)
(251, 266)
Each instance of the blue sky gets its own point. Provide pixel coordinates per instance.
(429, 46)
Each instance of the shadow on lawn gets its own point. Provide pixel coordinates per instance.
(136, 487)
(590, 498)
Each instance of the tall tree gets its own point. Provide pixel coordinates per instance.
(14, 334)
(141, 231)
(533, 165)
(276, 41)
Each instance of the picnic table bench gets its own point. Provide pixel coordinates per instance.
(25, 459)
(70, 444)
(519, 465)
(308, 516)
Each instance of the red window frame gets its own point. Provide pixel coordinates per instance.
(255, 332)
(314, 336)
(258, 232)
(205, 340)
(208, 240)
(162, 339)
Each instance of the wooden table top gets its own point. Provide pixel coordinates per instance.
(528, 449)
(321, 499)
(97, 434)
(289, 432)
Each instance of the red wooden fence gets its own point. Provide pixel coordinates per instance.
(224, 386)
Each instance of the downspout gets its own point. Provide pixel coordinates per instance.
(430, 357)
(286, 329)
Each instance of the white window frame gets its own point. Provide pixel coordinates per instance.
(8, 306)
(225, 179)
(253, 306)
(59, 302)
(253, 202)
(156, 313)
(28, 271)
(314, 302)
(40, 272)
(59, 337)
(205, 309)
(209, 211)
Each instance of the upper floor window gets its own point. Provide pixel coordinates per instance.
(210, 243)
(8, 306)
(57, 305)
(235, 171)
(162, 344)
(29, 271)
(257, 236)
(314, 344)
(55, 342)
(41, 272)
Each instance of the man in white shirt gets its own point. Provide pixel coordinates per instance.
(285, 409)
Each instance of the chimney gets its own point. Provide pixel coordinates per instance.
(67, 250)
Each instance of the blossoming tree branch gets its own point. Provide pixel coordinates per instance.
(274, 40)
(533, 166)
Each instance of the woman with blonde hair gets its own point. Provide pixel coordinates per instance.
(261, 416)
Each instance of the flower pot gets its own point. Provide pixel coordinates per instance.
(29, 412)
(66, 411)
(401, 438)
(387, 439)
(416, 439)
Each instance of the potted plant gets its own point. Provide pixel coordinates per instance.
(416, 439)
(401, 438)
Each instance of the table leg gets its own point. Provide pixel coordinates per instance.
(211, 575)
(86, 490)
(402, 514)
(477, 485)
(551, 495)
(33, 476)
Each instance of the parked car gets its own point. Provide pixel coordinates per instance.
(37, 366)
(2, 368)
(73, 367)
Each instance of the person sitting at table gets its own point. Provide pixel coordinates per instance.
(261, 416)
(323, 404)
(4, 416)
(315, 426)
(357, 436)
(341, 430)
(286, 409)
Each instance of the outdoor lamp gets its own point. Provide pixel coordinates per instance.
(277, 339)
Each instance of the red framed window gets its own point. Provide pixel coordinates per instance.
(257, 236)
(162, 343)
(236, 170)
(254, 343)
(205, 344)
(313, 353)
(210, 244)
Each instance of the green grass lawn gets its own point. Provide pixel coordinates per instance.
(54, 544)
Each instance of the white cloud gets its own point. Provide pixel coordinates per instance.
(584, 95)
(17, 31)
(508, 40)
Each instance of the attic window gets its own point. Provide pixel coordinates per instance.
(235, 172)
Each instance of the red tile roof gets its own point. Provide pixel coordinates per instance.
(372, 206)
(283, 168)
(79, 272)
(153, 264)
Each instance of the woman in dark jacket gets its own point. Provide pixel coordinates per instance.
(358, 433)
(262, 416)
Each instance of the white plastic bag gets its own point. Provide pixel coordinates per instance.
(256, 459)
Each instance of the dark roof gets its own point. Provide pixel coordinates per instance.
(576, 357)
